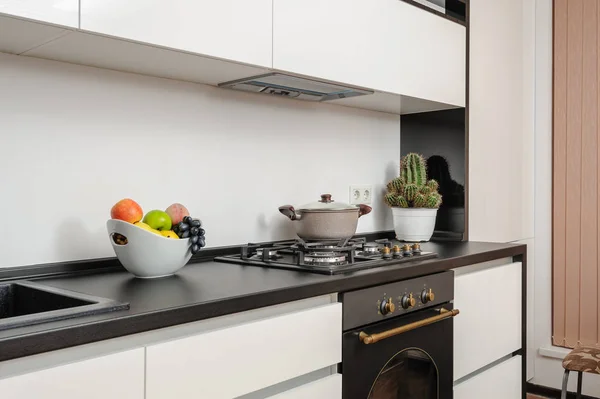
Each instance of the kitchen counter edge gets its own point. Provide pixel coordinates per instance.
(85, 333)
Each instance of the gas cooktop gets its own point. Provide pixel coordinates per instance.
(328, 257)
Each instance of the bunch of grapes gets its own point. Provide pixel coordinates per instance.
(192, 229)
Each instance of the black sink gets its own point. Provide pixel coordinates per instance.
(25, 303)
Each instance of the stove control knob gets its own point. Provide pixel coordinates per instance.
(407, 301)
(427, 296)
(385, 251)
(387, 307)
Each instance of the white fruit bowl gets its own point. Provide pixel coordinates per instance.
(146, 254)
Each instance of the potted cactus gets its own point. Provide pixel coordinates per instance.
(414, 200)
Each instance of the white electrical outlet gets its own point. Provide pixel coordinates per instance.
(362, 194)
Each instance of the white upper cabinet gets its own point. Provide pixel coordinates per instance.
(237, 30)
(59, 12)
(386, 45)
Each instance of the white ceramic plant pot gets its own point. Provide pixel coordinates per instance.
(146, 254)
(414, 224)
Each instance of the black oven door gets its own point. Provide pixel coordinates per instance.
(415, 364)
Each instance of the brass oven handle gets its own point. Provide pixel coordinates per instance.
(373, 338)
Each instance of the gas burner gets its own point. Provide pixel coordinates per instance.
(270, 254)
(325, 258)
(324, 246)
(371, 248)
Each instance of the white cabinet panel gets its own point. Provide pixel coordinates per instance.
(326, 388)
(60, 12)
(501, 131)
(237, 360)
(18, 35)
(490, 317)
(500, 382)
(118, 376)
(385, 45)
(238, 30)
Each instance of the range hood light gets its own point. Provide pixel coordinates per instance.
(280, 84)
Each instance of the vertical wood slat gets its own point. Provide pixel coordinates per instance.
(588, 304)
(573, 184)
(559, 181)
(598, 175)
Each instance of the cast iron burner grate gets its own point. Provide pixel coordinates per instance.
(324, 257)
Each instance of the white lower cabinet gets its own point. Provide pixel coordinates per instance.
(502, 381)
(233, 361)
(488, 327)
(117, 376)
(325, 388)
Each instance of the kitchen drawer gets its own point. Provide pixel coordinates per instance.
(489, 324)
(386, 45)
(237, 360)
(325, 388)
(500, 382)
(119, 375)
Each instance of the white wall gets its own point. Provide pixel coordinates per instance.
(74, 140)
(548, 369)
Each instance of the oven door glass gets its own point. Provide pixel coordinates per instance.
(411, 373)
(416, 364)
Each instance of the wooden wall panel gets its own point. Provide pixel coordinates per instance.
(576, 186)
(573, 185)
(589, 178)
(560, 178)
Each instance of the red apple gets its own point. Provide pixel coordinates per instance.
(127, 210)
(177, 212)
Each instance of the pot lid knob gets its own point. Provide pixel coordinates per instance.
(326, 198)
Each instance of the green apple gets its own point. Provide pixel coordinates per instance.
(158, 220)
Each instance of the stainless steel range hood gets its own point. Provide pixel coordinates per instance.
(283, 85)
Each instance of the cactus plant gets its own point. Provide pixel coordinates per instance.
(403, 203)
(395, 186)
(412, 189)
(412, 169)
(396, 200)
(433, 185)
(391, 199)
(425, 190)
(433, 200)
(419, 201)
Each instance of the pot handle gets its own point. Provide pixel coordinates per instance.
(362, 210)
(289, 211)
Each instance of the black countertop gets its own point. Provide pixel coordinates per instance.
(209, 289)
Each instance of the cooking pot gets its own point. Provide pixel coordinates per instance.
(325, 219)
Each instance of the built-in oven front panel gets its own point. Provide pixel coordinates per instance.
(371, 305)
(402, 358)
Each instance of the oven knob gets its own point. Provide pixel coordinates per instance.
(407, 301)
(387, 307)
(427, 296)
(385, 251)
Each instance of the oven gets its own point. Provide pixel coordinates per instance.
(398, 339)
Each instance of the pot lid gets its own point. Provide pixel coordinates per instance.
(327, 204)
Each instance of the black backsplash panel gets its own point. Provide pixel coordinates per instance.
(440, 137)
